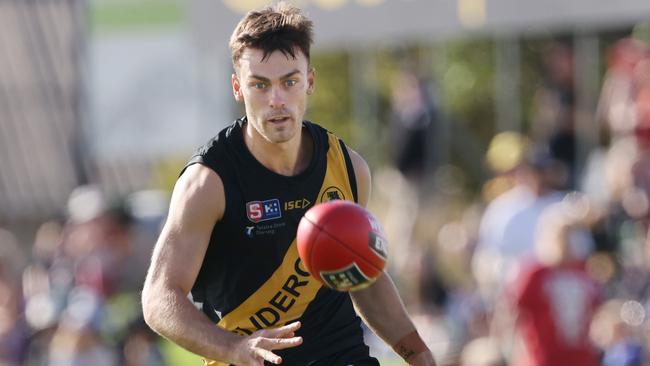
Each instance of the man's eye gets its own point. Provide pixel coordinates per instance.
(291, 82)
(260, 85)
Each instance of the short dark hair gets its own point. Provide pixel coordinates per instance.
(280, 27)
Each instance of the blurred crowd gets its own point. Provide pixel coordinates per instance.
(550, 266)
(75, 300)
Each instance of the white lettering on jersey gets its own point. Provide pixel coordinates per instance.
(570, 301)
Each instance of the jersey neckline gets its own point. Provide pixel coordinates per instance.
(250, 158)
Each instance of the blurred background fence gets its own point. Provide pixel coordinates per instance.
(44, 105)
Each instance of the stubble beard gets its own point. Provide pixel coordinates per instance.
(283, 133)
(274, 134)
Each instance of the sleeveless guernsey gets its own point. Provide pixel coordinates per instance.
(252, 277)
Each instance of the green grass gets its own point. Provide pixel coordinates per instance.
(392, 362)
(120, 14)
(177, 356)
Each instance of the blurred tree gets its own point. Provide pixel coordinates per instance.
(330, 104)
(467, 85)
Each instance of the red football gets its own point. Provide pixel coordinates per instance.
(342, 245)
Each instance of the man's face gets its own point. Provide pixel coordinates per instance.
(274, 92)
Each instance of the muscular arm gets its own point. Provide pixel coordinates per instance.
(196, 204)
(380, 305)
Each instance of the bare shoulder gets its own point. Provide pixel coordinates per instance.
(199, 191)
(197, 204)
(362, 173)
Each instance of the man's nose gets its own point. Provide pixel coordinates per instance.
(277, 99)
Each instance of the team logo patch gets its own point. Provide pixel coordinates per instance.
(332, 193)
(263, 210)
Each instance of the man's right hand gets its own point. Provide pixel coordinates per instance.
(256, 348)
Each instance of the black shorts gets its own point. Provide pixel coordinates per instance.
(356, 356)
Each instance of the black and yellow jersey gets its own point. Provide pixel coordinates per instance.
(252, 277)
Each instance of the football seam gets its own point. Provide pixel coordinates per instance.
(342, 244)
(310, 256)
(320, 229)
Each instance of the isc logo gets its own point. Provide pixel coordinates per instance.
(263, 210)
(292, 205)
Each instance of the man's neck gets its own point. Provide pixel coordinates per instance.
(288, 158)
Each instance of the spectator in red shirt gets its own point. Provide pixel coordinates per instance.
(553, 295)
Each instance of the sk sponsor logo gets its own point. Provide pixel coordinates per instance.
(263, 210)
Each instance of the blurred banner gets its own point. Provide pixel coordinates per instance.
(353, 22)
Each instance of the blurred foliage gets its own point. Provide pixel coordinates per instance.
(387, 63)
(166, 172)
(109, 15)
(329, 106)
(466, 84)
(461, 72)
(532, 74)
(642, 31)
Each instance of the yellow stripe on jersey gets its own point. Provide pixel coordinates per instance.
(284, 297)
(281, 299)
(337, 182)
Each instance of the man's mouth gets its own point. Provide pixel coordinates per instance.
(278, 119)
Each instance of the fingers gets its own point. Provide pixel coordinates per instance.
(263, 342)
(269, 356)
(265, 345)
(283, 331)
(280, 343)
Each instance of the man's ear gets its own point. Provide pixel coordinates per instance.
(311, 78)
(236, 87)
